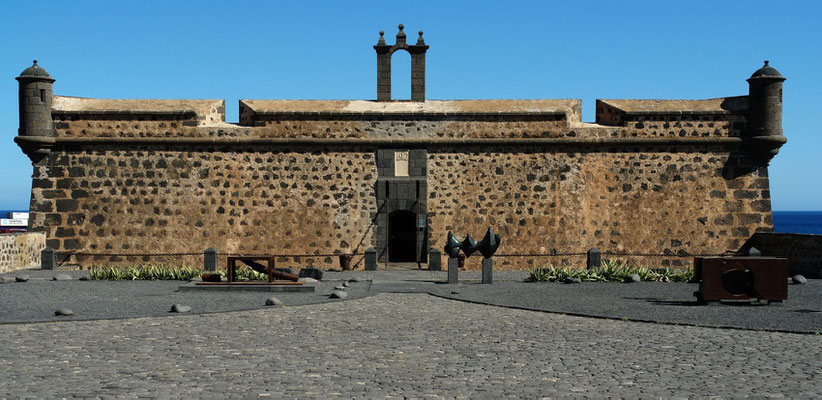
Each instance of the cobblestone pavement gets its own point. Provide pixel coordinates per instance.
(400, 345)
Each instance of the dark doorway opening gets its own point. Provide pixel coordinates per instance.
(402, 236)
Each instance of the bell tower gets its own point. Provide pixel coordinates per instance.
(384, 53)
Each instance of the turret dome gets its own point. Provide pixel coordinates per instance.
(35, 72)
(766, 72)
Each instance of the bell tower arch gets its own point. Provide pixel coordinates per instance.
(384, 53)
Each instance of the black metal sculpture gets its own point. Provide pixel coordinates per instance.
(487, 246)
(469, 245)
(452, 245)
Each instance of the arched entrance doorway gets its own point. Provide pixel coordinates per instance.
(402, 236)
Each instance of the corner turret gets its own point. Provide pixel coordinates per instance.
(35, 110)
(765, 113)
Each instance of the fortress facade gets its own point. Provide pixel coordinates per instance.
(321, 177)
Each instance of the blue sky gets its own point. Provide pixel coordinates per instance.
(479, 50)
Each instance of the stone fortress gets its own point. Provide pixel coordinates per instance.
(673, 177)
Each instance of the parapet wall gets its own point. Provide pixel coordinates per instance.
(722, 117)
(20, 251)
(803, 251)
(77, 117)
(432, 119)
(450, 120)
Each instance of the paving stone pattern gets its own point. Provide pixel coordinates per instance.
(400, 345)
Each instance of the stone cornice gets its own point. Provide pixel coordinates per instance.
(375, 142)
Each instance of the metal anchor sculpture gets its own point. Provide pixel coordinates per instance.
(487, 246)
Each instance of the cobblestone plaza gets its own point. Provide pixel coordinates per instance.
(400, 345)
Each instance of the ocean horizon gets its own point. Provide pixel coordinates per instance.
(807, 222)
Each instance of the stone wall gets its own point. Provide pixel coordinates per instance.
(238, 200)
(20, 251)
(303, 177)
(804, 252)
(663, 201)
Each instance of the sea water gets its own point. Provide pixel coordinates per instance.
(797, 222)
(783, 221)
(6, 213)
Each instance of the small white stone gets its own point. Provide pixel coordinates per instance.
(63, 312)
(273, 301)
(179, 308)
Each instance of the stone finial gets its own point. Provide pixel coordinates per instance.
(381, 42)
(420, 41)
(401, 35)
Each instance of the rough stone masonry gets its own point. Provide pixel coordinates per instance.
(325, 177)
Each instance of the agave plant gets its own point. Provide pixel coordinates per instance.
(608, 271)
(538, 275)
(143, 272)
(246, 274)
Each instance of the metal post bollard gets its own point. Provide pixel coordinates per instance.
(594, 258)
(48, 258)
(210, 259)
(487, 270)
(434, 260)
(371, 260)
(453, 270)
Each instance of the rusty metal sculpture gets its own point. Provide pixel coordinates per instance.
(253, 264)
(741, 278)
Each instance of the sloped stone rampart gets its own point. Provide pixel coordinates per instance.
(21, 250)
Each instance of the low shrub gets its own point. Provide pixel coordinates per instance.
(608, 271)
(245, 274)
(144, 272)
(163, 272)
